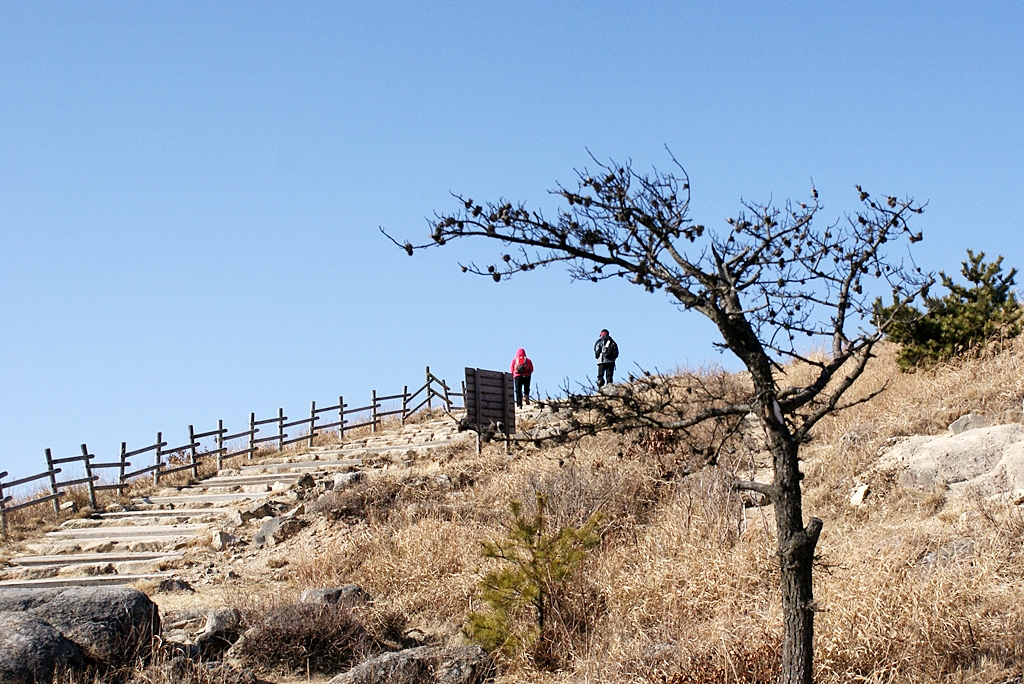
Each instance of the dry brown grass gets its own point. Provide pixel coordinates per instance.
(686, 577)
(683, 589)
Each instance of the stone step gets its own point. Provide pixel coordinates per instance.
(302, 467)
(62, 560)
(243, 480)
(203, 498)
(86, 581)
(305, 466)
(55, 547)
(163, 513)
(228, 480)
(139, 523)
(394, 447)
(128, 532)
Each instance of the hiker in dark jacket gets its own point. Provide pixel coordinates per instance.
(605, 351)
(522, 370)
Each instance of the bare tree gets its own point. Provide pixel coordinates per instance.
(774, 283)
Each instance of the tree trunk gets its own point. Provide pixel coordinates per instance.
(796, 543)
(796, 559)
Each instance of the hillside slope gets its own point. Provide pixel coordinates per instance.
(912, 585)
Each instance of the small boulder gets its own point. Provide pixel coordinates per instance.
(423, 665)
(275, 531)
(223, 628)
(221, 540)
(342, 480)
(255, 511)
(968, 421)
(170, 585)
(858, 495)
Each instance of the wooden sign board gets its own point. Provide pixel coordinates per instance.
(490, 400)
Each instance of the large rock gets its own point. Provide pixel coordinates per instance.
(423, 665)
(223, 628)
(275, 531)
(109, 625)
(988, 461)
(31, 649)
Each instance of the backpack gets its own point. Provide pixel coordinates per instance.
(522, 368)
(611, 350)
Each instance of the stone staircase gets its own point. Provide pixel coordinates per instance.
(153, 534)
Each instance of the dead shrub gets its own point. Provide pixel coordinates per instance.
(304, 637)
(372, 500)
(578, 489)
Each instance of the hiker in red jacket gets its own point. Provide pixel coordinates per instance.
(522, 369)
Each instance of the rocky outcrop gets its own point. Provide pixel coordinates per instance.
(109, 625)
(423, 665)
(986, 461)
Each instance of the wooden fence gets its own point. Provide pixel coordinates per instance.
(189, 456)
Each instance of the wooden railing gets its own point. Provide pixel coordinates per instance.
(190, 456)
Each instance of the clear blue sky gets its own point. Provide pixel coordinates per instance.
(190, 192)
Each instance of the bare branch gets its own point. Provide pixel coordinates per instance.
(750, 485)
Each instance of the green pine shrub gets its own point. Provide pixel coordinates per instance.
(530, 595)
(965, 319)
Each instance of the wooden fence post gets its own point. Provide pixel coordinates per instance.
(53, 481)
(405, 402)
(192, 450)
(341, 420)
(124, 464)
(373, 410)
(280, 429)
(430, 406)
(220, 444)
(3, 508)
(312, 422)
(86, 456)
(252, 436)
(157, 462)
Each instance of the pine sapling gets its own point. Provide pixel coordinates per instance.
(538, 566)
